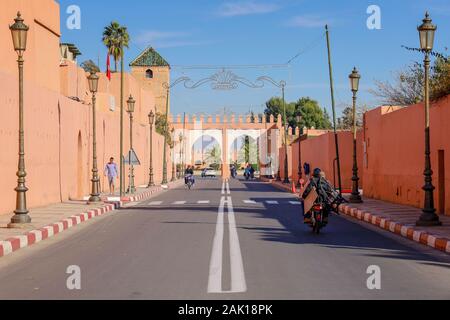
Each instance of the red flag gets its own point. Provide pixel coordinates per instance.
(108, 68)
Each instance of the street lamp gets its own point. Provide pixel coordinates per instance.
(95, 192)
(286, 169)
(300, 175)
(354, 83)
(164, 180)
(172, 148)
(19, 36)
(151, 121)
(429, 216)
(180, 138)
(130, 109)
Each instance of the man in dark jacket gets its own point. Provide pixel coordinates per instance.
(326, 194)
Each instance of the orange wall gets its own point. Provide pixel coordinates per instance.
(57, 169)
(42, 55)
(319, 152)
(395, 153)
(58, 130)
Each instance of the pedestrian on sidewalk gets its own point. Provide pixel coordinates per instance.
(111, 173)
(307, 170)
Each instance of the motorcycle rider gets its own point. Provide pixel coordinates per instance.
(326, 194)
(189, 172)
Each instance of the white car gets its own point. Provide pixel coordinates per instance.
(209, 172)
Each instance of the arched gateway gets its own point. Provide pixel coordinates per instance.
(226, 130)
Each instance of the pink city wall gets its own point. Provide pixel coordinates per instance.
(319, 152)
(58, 130)
(395, 143)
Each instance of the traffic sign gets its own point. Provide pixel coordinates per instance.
(132, 159)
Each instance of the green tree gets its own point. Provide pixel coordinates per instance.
(162, 127)
(249, 151)
(311, 113)
(213, 157)
(115, 38)
(408, 85)
(346, 121)
(90, 66)
(275, 107)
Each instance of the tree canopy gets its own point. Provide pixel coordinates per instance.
(115, 38)
(408, 85)
(310, 111)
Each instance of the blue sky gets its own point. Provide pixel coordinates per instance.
(267, 32)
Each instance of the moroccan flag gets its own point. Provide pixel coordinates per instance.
(108, 68)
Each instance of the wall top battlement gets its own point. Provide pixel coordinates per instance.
(224, 119)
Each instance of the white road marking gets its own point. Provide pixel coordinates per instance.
(155, 203)
(238, 283)
(271, 202)
(223, 187)
(249, 202)
(215, 266)
(203, 202)
(228, 188)
(179, 202)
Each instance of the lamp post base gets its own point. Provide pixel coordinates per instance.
(355, 198)
(19, 221)
(428, 220)
(94, 199)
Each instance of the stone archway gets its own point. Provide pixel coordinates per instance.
(226, 130)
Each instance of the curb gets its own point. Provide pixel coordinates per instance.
(142, 195)
(13, 244)
(436, 242)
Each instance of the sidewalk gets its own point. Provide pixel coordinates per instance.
(50, 220)
(401, 220)
(396, 218)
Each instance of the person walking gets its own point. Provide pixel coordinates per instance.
(307, 170)
(112, 173)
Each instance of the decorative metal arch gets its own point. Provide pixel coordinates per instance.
(225, 80)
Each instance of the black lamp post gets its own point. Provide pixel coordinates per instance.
(19, 36)
(300, 174)
(172, 151)
(151, 121)
(286, 169)
(180, 173)
(429, 216)
(130, 109)
(354, 82)
(95, 190)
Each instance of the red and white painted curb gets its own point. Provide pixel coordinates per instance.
(436, 242)
(18, 242)
(142, 195)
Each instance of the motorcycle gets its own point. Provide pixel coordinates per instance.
(318, 212)
(189, 181)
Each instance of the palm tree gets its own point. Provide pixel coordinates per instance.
(115, 38)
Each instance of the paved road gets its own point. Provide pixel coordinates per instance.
(242, 240)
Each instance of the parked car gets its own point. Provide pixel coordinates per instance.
(209, 172)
